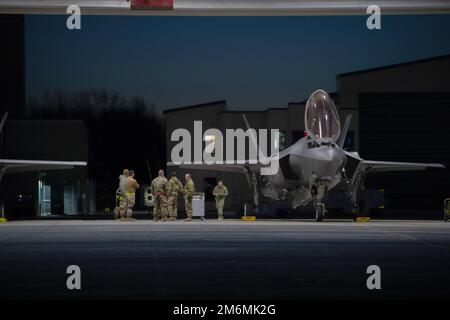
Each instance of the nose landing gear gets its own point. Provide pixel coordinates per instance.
(320, 211)
(318, 193)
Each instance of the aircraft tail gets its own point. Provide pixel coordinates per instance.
(344, 131)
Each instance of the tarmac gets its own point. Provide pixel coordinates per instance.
(273, 259)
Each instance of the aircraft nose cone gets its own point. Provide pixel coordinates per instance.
(327, 160)
(329, 154)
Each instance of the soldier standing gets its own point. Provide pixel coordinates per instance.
(159, 191)
(188, 190)
(131, 186)
(122, 180)
(120, 194)
(220, 192)
(174, 186)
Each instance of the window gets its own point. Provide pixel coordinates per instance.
(70, 200)
(44, 198)
(210, 141)
(280, 140)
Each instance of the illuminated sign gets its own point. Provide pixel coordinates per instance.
(152, 4)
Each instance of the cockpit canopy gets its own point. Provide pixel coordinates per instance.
(321, 118)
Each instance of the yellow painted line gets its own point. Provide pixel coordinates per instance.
(249, 218)
(3, 220)
(362, 219)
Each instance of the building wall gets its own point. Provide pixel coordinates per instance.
(45, 140)
(184, 118)
(408, 127)
(425, 76)
(404, 112)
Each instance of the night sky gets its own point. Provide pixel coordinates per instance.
(253, 62)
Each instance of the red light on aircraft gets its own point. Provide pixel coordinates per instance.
(305, 133)
(152, 4)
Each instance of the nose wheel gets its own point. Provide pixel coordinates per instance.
(320, 211)
(318, 191)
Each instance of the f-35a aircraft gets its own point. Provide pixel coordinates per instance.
(316, 163)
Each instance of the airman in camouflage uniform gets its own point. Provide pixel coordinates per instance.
(220, 192)
(159, 191)
(120, 194)
(174, 187)
(130, 187)
(188, 191)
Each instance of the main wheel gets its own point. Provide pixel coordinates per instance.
(319, 213)
(355, 212)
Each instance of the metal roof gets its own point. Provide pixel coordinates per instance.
(229, 7)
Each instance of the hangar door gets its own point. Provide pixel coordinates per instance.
(408, 127)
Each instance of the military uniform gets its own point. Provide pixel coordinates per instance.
(122, 181)
(120, 194)
(174, 186)
(159, 191)
(189, 190)
(129, 199)
(220, 192)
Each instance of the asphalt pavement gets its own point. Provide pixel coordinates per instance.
(225, 260)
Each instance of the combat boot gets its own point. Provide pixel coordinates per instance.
(172, 219)
(188, 219)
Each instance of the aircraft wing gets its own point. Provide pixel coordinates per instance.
(16, 165)
(386, 166)
(235, 168)
(366, 166)
(369, 166)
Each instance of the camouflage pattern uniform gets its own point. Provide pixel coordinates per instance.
(129, 200)
(173, 188)
(189, 190)
(220, 192)
(159, 191)
(120, 194)
(122, 206)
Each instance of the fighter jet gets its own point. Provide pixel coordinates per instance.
(315, 164)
